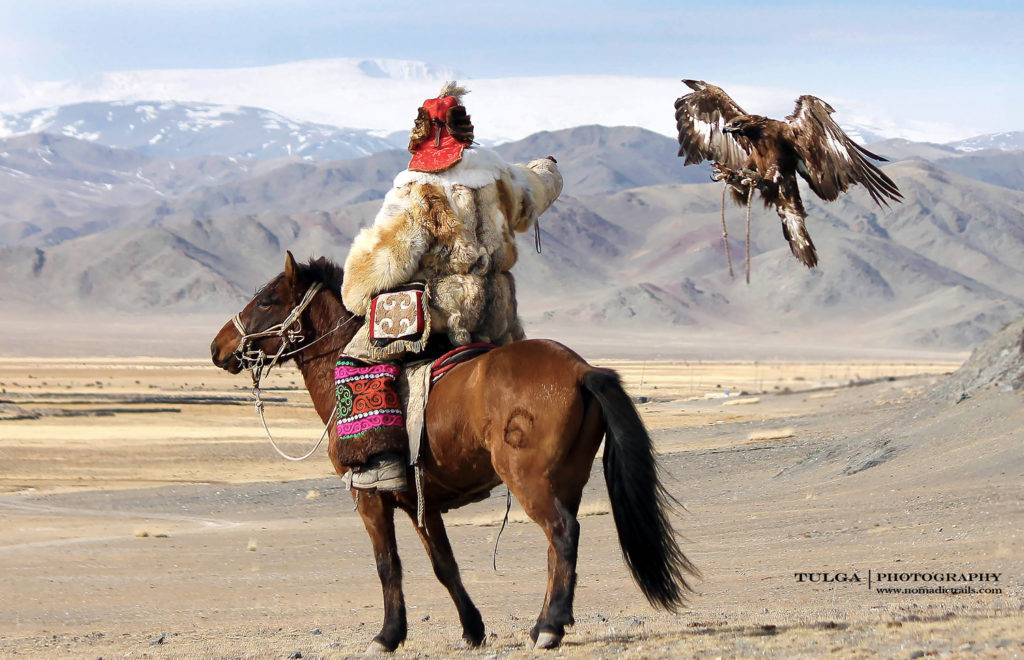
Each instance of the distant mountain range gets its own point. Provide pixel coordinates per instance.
(173, 129)
(188, 130)
(633, 243)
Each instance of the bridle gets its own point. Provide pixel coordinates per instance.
(289, 331)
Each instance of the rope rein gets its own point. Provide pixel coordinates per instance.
(255, 359)
(750, 196)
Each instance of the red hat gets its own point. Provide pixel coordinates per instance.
(441, 132)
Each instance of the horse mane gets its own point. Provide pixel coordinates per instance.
(324, 271)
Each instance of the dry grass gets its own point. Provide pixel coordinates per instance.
(742, 402)
(683, 379)
(771, 434)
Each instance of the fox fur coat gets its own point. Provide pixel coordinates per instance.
(455, 229)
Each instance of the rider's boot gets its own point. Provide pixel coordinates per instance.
(384, 472)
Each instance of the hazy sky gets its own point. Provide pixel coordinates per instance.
(955, 62)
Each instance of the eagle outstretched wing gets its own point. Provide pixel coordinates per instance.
(700, 117)
(832, 162)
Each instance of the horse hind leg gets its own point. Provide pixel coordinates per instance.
(563, 532)
(555, 506)
(435, 540)
(557, 518)
(546, 464)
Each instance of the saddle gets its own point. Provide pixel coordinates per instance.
(454, 358)
(370, 397)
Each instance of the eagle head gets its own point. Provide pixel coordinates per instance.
(749, 126)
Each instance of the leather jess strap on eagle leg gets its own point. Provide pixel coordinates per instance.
(745, 177)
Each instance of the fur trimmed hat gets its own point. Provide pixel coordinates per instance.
(441, 131)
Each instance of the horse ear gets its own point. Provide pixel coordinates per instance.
(290, 268)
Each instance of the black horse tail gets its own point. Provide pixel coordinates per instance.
(640, 503)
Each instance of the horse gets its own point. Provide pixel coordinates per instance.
(530, 414)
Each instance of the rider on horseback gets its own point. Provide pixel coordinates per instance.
(437, 257)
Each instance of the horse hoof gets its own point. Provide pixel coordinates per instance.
(472, 642)
(547, 640)
(375, 649)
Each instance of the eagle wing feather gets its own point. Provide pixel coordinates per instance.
(832, 162)
(700, 117)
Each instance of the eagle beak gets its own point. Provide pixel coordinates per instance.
(730, 129)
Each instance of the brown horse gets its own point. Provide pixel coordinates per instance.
(530, 414)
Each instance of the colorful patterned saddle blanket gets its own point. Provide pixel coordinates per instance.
(367, 397)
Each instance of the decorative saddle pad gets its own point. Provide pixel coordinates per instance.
(399, 322)
(367, 397)
(398, 314)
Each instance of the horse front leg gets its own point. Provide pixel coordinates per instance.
(435, 540)
(379, 519)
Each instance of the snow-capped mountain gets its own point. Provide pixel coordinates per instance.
(1009, 141)
(381, 96)
(170, 129)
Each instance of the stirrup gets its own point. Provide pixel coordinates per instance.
(384, 472)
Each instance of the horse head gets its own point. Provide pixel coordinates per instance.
(278, 323)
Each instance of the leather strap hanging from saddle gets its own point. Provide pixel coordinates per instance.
(419, 377)
(399, 321)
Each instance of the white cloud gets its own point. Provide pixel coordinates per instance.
(339, 92)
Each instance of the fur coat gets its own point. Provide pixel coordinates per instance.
(455, 229)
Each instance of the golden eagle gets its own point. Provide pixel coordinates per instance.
(754, 152)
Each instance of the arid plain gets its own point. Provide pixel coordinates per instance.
(144, 514)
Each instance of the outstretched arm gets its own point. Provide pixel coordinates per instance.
(543, 185)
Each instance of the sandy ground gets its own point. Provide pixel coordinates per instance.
(145, 515)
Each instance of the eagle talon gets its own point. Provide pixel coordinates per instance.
(748, 177)
(719, 172)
